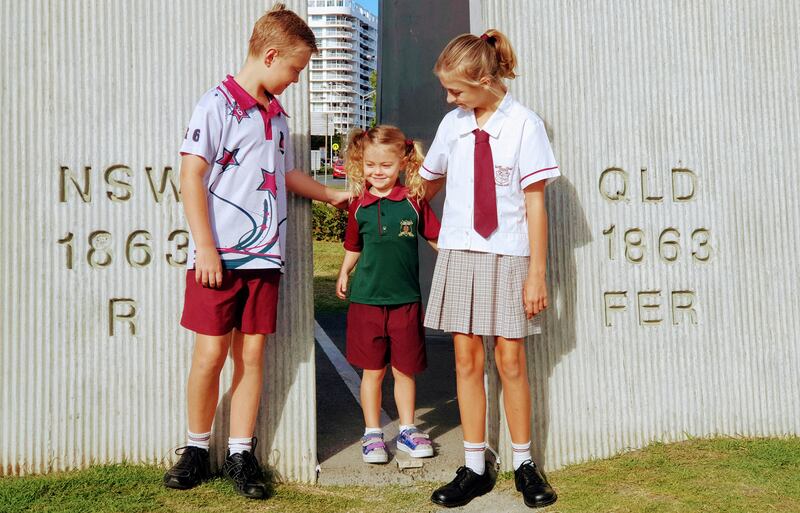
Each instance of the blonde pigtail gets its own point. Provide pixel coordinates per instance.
(413, 181)
(354, 162)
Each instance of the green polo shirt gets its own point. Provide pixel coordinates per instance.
(385, 230)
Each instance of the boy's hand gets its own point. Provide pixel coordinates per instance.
(341, 286)
(208, 267)
(534, 295)
(339, 198)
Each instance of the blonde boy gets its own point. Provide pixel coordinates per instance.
(237, 163)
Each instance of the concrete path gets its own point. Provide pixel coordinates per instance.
(340, 424)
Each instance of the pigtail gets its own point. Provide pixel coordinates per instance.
(413, 181)
(354, 162)
(506, 58)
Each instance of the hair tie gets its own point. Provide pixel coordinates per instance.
(409, 142)
(489, 39)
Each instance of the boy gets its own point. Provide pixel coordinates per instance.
(237, 162)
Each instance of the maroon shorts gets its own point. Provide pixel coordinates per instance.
(377, 335)
(247, 301)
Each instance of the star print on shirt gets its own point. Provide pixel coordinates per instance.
(237, 112)
(228, 158)
(268, 182)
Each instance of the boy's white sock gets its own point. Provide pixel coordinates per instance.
(370, 430)
(239, 445)
(475, 456)
(198, 439)
(522, 452)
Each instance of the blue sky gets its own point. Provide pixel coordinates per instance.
(370, 5)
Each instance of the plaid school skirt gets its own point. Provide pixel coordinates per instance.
(480, 293)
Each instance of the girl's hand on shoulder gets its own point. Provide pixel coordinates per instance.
(208, 267)
(534, 295)
(341, 286)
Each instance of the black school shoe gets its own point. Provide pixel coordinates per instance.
(531, 481)
(191, 469)
(243, 469)
(466, 486)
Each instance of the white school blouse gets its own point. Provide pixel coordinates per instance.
(521, 154)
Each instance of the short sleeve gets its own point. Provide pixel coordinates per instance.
(536, 160)
(352, 237)
(435, 164)
(429, 223)
(203, 135)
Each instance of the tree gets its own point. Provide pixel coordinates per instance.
(373, 83)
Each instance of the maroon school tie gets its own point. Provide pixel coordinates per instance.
(485, 215)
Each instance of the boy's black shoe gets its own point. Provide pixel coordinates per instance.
(243, 469)
(466, 486)
(191, 469)
(531, 481)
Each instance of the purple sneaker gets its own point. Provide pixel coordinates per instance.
(415, 442)
(373, 450)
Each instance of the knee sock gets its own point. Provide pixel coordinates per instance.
(198, 439)
(522, 453)
(475, 456)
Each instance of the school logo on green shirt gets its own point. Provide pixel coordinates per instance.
(406, 228)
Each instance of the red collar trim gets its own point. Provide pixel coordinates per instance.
(246, 101)
(398, 193)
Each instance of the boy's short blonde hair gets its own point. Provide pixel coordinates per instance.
(282, 29)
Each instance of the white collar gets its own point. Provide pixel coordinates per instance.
(467, 123)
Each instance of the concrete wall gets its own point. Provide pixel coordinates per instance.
(94, 363)
(673, 255)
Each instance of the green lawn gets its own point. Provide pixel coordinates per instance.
(327, 261)
(720, 475)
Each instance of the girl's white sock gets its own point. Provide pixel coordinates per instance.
(475, 456)
(370, 430)
(522, 452)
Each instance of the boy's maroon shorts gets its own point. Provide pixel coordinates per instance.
(247, 301)
(377, 335)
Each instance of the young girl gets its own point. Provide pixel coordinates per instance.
(384, 320)
(490, 273)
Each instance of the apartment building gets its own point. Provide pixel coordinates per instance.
(341, 94)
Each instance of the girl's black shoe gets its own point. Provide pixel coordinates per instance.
(466, 486)
(191, 469)
(536, 491)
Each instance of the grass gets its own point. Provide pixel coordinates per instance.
(718, 475)
(327, 261)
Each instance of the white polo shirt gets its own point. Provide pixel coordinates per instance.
(521, 154)
(249, 151)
